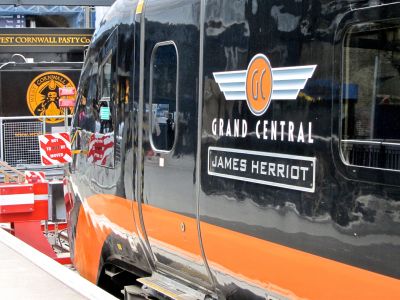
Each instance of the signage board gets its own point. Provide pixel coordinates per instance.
(274, 169)
(65, 102)
(66, 91)
(67, 97)
(105, 113)
(12, 21)
(55, 149)
(44, 39)
(35, 89)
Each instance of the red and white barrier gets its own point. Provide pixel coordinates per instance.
(34, 176)
(24, 198)
(25, 205)
(55, 149)
(16, 198)
(67, 197)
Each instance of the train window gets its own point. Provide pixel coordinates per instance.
(84, 113)
(106, 77)
(101, 140)
(370, 134)
(105, 105)
(121, 110)
(163, 96)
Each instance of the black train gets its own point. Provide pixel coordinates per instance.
(240, 149)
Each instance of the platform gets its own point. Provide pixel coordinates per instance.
(25, 273)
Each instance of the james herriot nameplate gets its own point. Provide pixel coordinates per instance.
(274, 169)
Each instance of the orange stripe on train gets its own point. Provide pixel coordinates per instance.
(99, 215)
(248, 258)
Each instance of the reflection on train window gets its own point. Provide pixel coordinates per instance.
(101, 140)
(106, 77)
(84, 112)
(105, 105)
(121, 111)
(371, 96)
(163, 96)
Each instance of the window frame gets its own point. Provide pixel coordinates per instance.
(356, 172)
(154, 51)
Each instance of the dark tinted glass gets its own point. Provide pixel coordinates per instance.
(106, 78)
(163, 94)
(371, 96)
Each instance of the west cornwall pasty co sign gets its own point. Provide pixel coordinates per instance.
(41, 39)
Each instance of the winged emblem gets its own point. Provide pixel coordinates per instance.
(260, 83)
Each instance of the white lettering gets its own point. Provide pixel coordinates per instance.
(258, 129)
(221, 127)
(310, 139)
(220, 163)
(300, 136)
(281, 169)
(243, 165)
(294, 175)
(236, 128)
(235, 164)
(244, 128)
(214, 127)
(290, 132)
(304, 169)
(228, 129)
(271, 169)
(282, 123)
(265, 130)
(274, 125)
(254, 165)
(263, 167)
(214, 162)
(228, 162)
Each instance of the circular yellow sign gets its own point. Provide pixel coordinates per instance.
(42, 95)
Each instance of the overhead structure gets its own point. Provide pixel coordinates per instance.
(59, 2)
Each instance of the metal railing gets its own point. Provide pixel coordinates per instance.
(19, 144)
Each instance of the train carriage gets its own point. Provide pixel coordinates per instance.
(240, 150)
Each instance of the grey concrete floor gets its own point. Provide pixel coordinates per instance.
(21, 279)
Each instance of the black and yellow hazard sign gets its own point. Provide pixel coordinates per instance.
(42, 95)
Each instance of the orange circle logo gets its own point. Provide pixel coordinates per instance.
(259, 84)
(42, 95)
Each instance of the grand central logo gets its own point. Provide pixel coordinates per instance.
(260, 83)
(42, 95)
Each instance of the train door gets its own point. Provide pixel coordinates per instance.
(169, 137)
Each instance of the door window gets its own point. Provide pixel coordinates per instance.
(163, 96)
